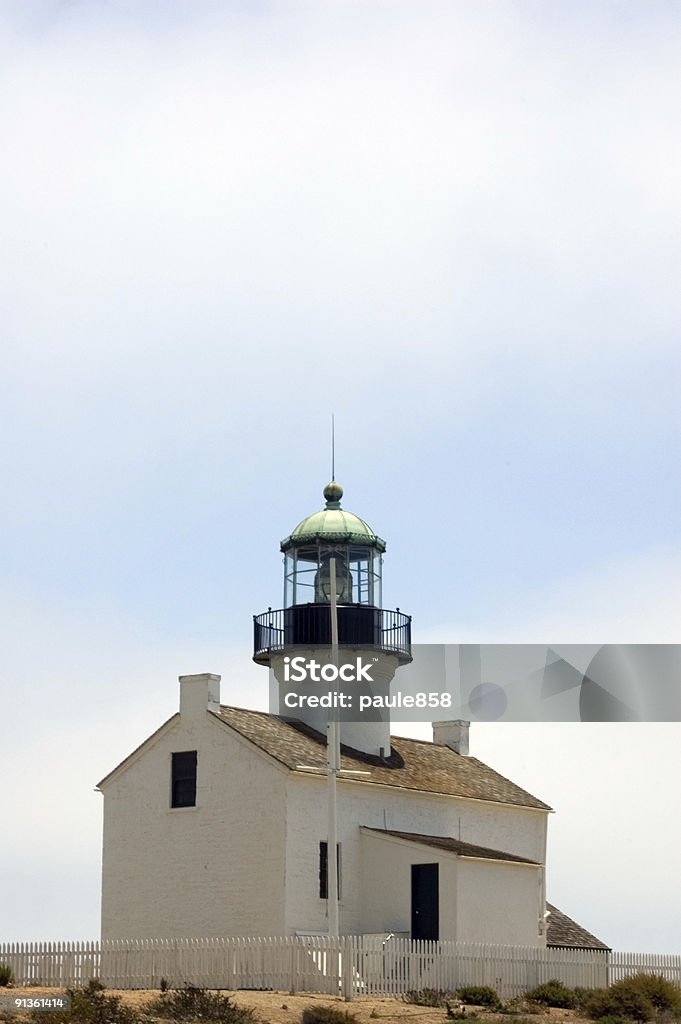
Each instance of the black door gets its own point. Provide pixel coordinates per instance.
(425, 902)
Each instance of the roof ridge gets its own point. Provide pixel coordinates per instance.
(417, 739)
(251, 711)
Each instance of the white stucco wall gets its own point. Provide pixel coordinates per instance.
(513, 830)
(213, 869)
(385, 888)
(499, 902)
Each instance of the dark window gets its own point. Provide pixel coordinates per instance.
(183, 788)
(324, 870)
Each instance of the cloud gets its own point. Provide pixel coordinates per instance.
(450, 221)
(185, 171)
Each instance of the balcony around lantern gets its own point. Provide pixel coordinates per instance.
(309, 625)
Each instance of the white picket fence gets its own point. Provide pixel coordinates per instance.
(350, 966)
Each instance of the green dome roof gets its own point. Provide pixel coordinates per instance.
(334, 525)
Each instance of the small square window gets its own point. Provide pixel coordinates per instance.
(183, 779)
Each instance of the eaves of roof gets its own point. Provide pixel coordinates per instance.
(450, 845)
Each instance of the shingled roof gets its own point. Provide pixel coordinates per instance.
(563, 931)
(412, 764)
(451, 845)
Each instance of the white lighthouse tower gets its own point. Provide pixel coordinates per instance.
(303, 627)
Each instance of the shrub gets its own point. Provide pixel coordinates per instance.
(95, 985)
(192, 1003)
(436, 997)
(581, 995)
(663, 994)
(478, 995)
(638, 997)
(553, 993)
(521, 1005)
(90, 1005)
(617, 1002)
(6, 975)
(460, 1013)
(315, 1014)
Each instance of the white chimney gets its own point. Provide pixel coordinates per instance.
(198, 694)
(452, 734)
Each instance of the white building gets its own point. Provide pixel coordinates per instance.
(217, 824)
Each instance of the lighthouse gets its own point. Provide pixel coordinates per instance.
(335, 539)
(224, 822)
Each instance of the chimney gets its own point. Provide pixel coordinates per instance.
(198, 694)
(452, 734)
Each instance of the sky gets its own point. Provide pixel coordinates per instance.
(455, 225)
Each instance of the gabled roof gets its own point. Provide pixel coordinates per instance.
(450, 845)
(563, 931)
(139, 750)
(412, 764)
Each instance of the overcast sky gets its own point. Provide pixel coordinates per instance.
(455, 224)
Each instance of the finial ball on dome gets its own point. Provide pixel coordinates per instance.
(333, 491)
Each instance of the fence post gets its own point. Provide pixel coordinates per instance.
(347, 964)
(293, 967)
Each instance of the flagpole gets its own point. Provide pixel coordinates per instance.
(333, 760)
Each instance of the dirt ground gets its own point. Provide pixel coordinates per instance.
(282, 1008)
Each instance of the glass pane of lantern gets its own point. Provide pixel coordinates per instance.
(377, 563)
(289, 579)
(358, 569)
(307, 577)
(343, 575)
(307, 565)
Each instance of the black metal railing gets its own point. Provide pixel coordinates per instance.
(359, 625)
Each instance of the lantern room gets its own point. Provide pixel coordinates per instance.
(332, 533)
